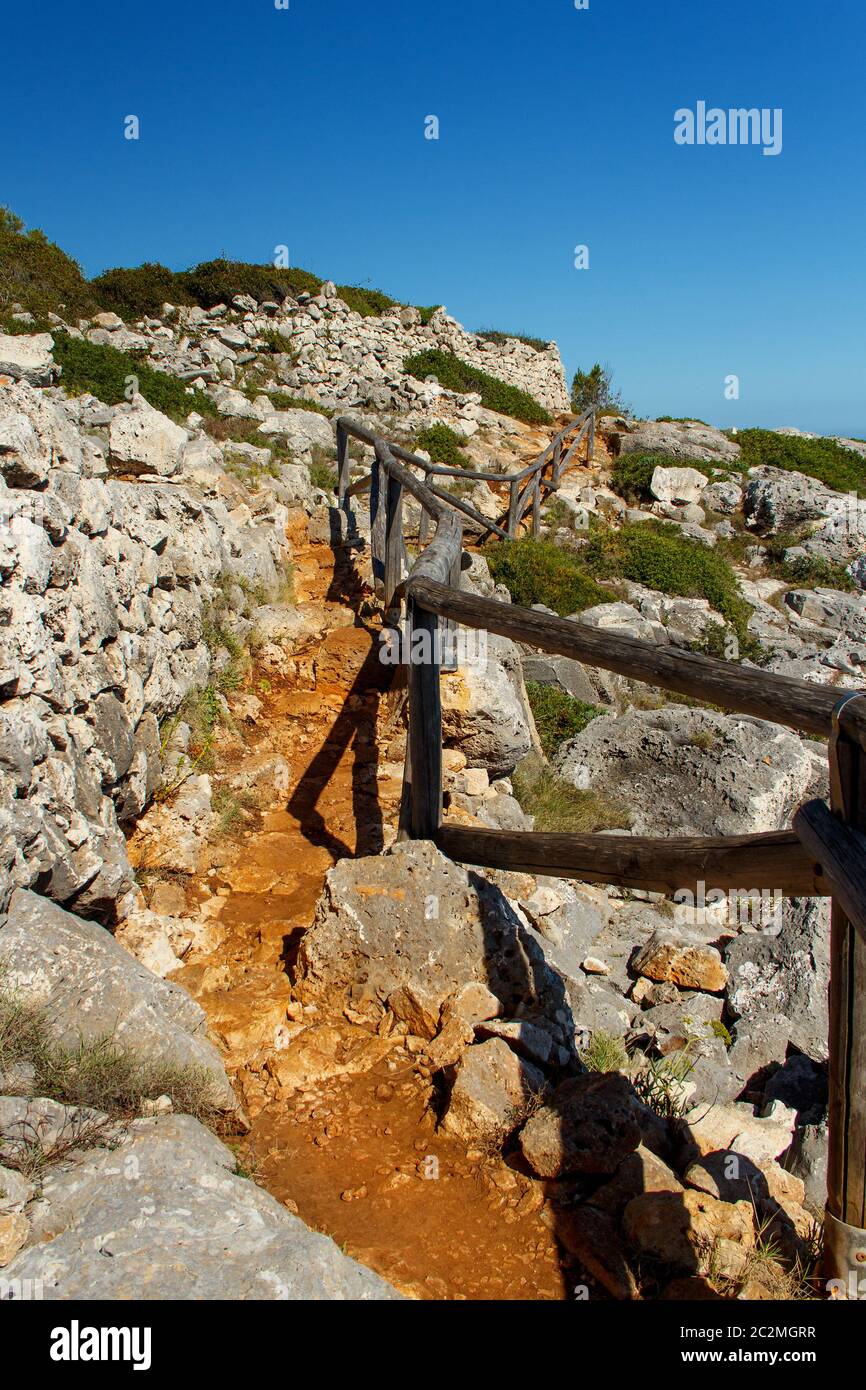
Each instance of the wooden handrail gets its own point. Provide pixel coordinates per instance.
(739, 862)
(824, 853)
(746, 689)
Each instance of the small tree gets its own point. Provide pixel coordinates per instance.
(595, 388)
(10, 221)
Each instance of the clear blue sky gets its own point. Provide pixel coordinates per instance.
(306, 127)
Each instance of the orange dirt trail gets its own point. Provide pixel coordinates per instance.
(353, 1148)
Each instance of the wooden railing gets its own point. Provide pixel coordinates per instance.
(824, 853)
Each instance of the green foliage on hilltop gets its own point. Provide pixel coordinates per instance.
(456, 375)
(38, 275)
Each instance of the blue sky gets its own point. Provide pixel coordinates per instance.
(305, 127)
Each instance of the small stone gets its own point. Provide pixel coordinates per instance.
(14, 1229)
(686, 962)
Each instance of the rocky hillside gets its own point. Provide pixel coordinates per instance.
(189, 653)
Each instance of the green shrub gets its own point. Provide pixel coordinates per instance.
(141, 292)
(444, 446)
(367, 303)
(538, 571)
(558, 716)
(38, 275)
(456, 375)
(104, 372)
(283, 401)
(558, 805)
(604, 1052)
(632, 475)
(656, 555)
(680, 420)
(839, 468)
(492, 335)
(813, 572)
(322, 475)
(217, 282)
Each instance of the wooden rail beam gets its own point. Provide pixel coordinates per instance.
(780, 699)
(774, 862)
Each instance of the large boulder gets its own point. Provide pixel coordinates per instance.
(779, 500)
(677, 484)
(409, 929)
(143, 440)
(302, 429)
(684, 771)
(163, 1215)
(678, 440)
(589, 1125)
(786, 974)
(92, 988)
(492, 1090)
(27, 357)
(484, 709)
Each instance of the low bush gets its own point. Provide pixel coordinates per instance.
(456, 375)
(839, 468)
(538, 571)
(656, 555)
(444, 446)
(98, 1073)
(104, 372)
(493, 335)
(140, 292)
(558, 716)
(632, 475)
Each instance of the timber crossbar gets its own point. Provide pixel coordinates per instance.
(823, 854)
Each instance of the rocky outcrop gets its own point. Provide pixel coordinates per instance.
(91, 988)
(685, 771)
(161, 1214)
(106, 588)
(685, 440)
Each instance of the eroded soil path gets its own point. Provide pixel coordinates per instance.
(342, 1119)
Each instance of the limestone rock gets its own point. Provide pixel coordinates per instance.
(491, 1091)
(186, 1228)
(685, 771)
(681, 1229)
(587, 1126)
(687, 963)
(93, 988)
(143, 440)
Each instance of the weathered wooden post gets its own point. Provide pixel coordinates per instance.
(557, 461)
(425, 723)
(536, 504)
(342, 462)
(513, 490)
(840, 849)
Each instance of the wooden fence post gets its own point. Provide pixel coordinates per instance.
(395, 550)
(844, 1233)
(512, 509)
(425, 723)
(342, 463)
(536, 504)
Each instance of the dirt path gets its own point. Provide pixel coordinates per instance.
(342, 1128)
